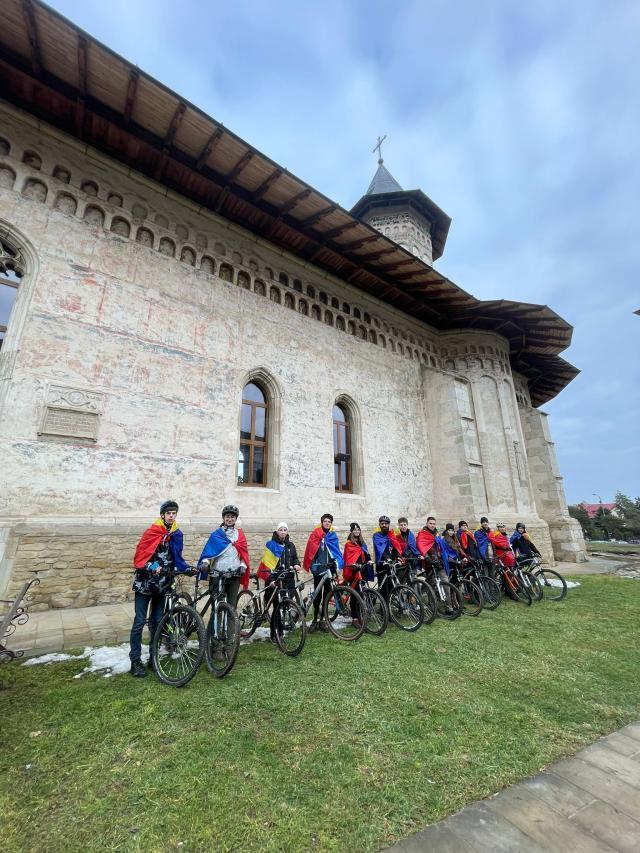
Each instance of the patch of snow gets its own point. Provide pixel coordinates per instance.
(52, 658)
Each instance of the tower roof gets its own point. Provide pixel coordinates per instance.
(383, 181)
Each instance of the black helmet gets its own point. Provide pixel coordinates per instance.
(384, 518)
(230, 509)
(167, 506)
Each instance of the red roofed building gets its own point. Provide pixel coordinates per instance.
(592, 509)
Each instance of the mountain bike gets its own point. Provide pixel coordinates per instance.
(342, 608)
(511, 586)
(490, 588)
(448, 598)
(222, 634)
(375, 615)
(528, 580)
(554, 586)
(424, 590)
(178, 644)
(470, 593)
(404, 604)
(274, 604)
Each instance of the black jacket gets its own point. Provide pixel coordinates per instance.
(289, 557)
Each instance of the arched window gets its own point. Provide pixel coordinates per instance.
(252, 456)
(11, 272)
(341, 449)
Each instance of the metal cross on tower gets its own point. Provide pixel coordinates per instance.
(378, 148)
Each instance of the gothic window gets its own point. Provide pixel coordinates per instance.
(274, 295)
(252, 455)
(289, 301)
(342, 449)
(303, 308)
(11, 273)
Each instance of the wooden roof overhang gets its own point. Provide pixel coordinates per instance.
(54, 70)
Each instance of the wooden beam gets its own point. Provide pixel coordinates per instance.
(293, 202)
(316, 217)
(242, 163)
(373, 256)
(82, 85)
(210, 144)
(32, 33)
(337, 232)
(174, 124)
(268, 181)
(355, 244)
(132, 88)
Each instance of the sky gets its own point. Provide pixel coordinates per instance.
(521, 121)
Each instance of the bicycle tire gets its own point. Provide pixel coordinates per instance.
(490, 590)
(453, 610)
(221, 651)
(248, 612)
(344, 628)
(184, 598)
(289, 627)
(554, 586)
(516, 590)
(406, 610)
(471, 597)
(377, 617)
(534, 586)
(428, 597)
(174, 658)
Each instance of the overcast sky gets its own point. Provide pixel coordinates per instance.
(522, 121)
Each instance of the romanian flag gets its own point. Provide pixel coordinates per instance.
(272, 552)
(381, 541)
(154, 536)
(330, 540)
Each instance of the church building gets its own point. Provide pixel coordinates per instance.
(181, 317)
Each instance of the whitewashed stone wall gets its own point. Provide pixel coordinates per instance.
(148, 340)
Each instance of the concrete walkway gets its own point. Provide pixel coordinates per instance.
(58, 630)
(587, 804)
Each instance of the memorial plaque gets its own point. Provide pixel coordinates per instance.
(71, 414)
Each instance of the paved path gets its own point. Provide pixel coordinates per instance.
(72, 628)
(586, 804)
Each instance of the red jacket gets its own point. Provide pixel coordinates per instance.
(502, 548)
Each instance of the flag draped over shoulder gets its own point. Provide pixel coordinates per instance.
(270, 557)
(152, 538)
(382, 540)
(330, 540)
(355, 554)
(217, 544)
(482, 538)
(410, 542)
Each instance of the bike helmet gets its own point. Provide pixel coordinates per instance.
(167, 506)
(230, 509)
(384, 518)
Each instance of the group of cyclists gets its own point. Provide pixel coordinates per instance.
(396, 553)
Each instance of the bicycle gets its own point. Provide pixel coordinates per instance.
(375, 616)
(528, 580)
(178, 644)
(489, 587)
(222, 633)
(404, 604)
(511, 586)
(554, 586)
(470, 593)
(448, 598)
(286, 620)
(341, 618)
(424, 590)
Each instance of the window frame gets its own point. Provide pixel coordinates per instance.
(254, 442)
(345, 426)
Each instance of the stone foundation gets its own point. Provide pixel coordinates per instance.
(567, 540)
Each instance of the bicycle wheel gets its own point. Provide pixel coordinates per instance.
(428, 598)
(516, 590)
(406, 610)
(533, 585)
(248, 612)
(471, 597)
(222, 641)
(450, 605)
(490, 591)
(554, 586)
(344, 613)
(288, 627)
(178, 645)
(376, 616)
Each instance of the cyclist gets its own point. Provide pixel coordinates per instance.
(279, 556)
(522, 545)
(451, 546)
(409, 539)
(483, 540)
(226, 551)
(356, 554)
(468, 542)
(501, 546)
(431, 547)
(157, 555)
(386, 547)
(321, 554)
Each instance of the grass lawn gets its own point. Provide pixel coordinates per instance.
(345, 748)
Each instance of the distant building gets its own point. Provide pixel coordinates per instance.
(593, 509)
